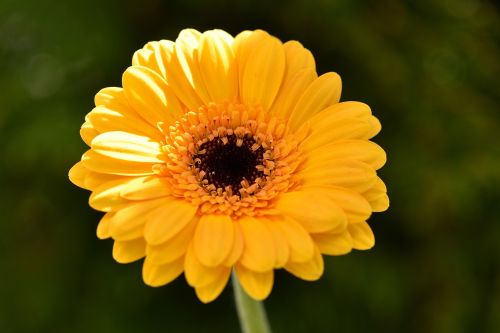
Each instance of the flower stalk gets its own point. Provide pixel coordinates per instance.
(251, 313)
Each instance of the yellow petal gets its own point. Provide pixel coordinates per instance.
(77, 175)
(334, 243)
(174, 248)
(321, 93)
(128, 147)
(258, 254)
(297, 58)
(351, 174)
(88, 132)
(113, 112)
(213, 239)
(124, 119)
(151, 56)
(244, 43)
(300, 71)
(125, 252)
(218, 66)
(199, 275)
(128, 222)
(301, 247)
(177, 78)
(109, 96)
(103, 164)
(172, 216)
(238, 246)
(361, 150)
(150, 95)
(309, 270)
(375, 128)
(290, 92)
(103, 226)
(159, 275)
(256, 285)
(313, 209)
(145, 188)
(106, 197)
(263, 72)
(380, 204)
(362, 236)
(377, 196)
(341, 121)
(186, 52)
(96, 179)
(325, 130)
(210, 292)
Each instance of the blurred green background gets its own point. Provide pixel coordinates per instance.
(430, 71)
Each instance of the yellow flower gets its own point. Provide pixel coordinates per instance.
(224, 153)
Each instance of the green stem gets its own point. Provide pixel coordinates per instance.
(252, 315)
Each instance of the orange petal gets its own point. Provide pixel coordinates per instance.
(350, 174)
(199, 275)
(213, 239)
(103, 226)
(281, 247)
(159, 275)
(258, 254)
(377, 196)
(354, 205)
(172, 216)
(238, 246)
(128, 222)
(174, 248)
(125, 252)
(309, 270)
(334, 243)
(256, 285)
(301, 247)
(314, 209)
(362, 236)
(211, 291)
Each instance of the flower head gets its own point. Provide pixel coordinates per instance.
(221, 153)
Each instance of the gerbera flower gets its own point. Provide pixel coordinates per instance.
(222, 153)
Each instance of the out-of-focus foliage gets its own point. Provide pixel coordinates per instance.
(429, 69)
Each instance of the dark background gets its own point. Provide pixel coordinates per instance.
(430, 71)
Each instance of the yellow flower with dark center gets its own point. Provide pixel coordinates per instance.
(224, 153)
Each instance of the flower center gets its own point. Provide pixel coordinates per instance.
(230, 158)
(230, 161)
